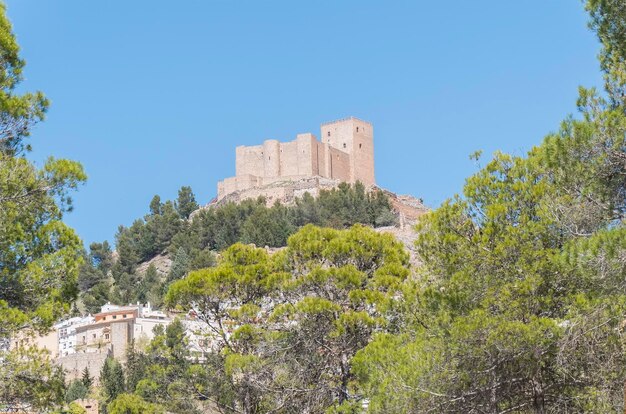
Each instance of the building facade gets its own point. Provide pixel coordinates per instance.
(345, 153)
(66, 333)
(109, 333)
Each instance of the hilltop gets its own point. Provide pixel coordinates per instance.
(179, 236)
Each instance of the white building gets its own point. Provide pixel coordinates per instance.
(143, 329)
(66, 333)
(95, 331)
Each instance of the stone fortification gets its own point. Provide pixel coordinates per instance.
(286, 191)
(344, 154)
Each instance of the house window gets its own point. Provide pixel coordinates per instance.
(124, 316)
(114, 316)
(94, 336)
(106, 336)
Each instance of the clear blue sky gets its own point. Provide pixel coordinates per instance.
(152, 95)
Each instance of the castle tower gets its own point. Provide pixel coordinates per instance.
(356, 138)
(345, 153)
(271, 158)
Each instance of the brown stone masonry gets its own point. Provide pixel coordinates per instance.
(345, 153)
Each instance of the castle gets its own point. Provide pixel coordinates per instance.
(345, 154)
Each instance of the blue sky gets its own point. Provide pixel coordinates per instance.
(153, 95)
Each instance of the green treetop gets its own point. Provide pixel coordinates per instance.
(39, 255)
(286, 326)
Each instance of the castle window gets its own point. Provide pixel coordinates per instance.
(360, 145)
(357, 129)
(328, 133)
(344, 144)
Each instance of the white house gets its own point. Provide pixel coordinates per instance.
(66, 333)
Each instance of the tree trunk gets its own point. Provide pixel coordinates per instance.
(538, 398)
(624, 397)
(345, 377)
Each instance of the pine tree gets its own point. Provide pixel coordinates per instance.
(135, 367)
(148, 284)
(76, 391)
(112, 379)
(186, 202)
(180, 266)
(86, 378)
(39, 255)
(155, 205)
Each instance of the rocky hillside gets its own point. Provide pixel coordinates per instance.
(406, 208)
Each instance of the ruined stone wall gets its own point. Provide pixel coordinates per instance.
(239, 183)
(74, 364)
(284, 190)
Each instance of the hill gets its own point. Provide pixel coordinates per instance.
(178, 236)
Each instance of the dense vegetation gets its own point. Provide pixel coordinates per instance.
(292, 322)
(191, 243)
(518, 305)
(39, 254)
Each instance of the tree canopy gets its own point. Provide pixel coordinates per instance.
(520, 303)
(191, 243)
(39, 255)
(291, 322)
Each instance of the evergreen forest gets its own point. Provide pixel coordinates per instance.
(516, 304)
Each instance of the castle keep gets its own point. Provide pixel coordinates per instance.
(345, 153)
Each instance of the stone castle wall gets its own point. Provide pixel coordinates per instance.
(345, 153)
(285, 191)
(74, 364)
